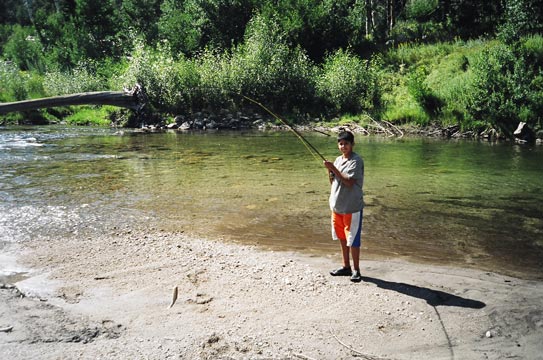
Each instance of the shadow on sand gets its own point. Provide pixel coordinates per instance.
(432, 297)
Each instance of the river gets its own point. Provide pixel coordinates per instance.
(458, 203)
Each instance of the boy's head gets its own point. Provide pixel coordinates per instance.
(347, 136)
(345, 143)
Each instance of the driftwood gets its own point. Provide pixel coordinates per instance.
(359, 354)
(134, 100)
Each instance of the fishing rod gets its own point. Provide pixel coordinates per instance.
(313, 150)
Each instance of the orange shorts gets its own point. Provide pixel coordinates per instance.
(347, 227)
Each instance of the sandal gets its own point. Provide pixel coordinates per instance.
(356, 277)
(343, 271)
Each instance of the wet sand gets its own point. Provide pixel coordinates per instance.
(108, 297)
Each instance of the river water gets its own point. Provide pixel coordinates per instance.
(462, 203)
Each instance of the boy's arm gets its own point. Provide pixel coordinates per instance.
(342, 177)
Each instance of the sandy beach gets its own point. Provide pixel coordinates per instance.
(109, 297)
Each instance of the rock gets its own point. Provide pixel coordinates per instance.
(185, 126)
(524, 134)
(211, 124)
(488, 334)
(199, 123)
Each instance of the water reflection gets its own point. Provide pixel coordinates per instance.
(459, 203)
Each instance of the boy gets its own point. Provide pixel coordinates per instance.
(346, 202)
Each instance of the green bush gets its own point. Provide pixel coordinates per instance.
(347, 83)
(263, 68)
(398, 105)
(156, 71)
(532, 47)
(266, 68)
(188, 80)
(214, 86)
(81, 79)
(425, 97)
(506, 88)
(18, 85)
(9, 77)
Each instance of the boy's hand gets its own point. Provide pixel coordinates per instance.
(329, 165)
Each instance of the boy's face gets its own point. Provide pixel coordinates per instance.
(346, 147)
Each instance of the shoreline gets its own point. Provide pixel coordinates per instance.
(110, 293)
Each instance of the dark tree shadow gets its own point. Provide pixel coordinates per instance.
(432, 297)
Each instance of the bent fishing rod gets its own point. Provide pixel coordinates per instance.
(300, 137)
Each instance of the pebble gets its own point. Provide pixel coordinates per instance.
(488, 334)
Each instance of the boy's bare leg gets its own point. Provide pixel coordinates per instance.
(355, 251)
(345, 253)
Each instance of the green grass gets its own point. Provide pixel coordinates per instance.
(449, 78)
(94, 116)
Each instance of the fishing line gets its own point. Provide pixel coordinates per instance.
(316, 154)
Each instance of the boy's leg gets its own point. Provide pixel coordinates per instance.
(345, 253)
(338, 233)
(355, 251)
(356, 277)
(354, 239)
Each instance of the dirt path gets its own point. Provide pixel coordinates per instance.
(107, 297)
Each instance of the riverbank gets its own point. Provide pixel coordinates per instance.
(362, 124)
(108, 296)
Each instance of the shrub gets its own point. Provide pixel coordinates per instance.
(81, 79)
(266, 67)
(399, 105)
(347, 83)
(18, 85)
(156, 71)
(420, 91)
(506, 88)
(263, 68)
(532, 47)
(213, 82)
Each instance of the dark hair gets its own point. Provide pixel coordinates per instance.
(346, 135)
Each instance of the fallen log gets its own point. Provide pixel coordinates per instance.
(134, 100)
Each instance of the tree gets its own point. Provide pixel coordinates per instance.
(98, 25)
(141, 16)
(522, 17)
(25, 49)
(192, 25)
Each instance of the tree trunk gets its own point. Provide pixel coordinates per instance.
(129, 100)
(390, 11)
(369, 18)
